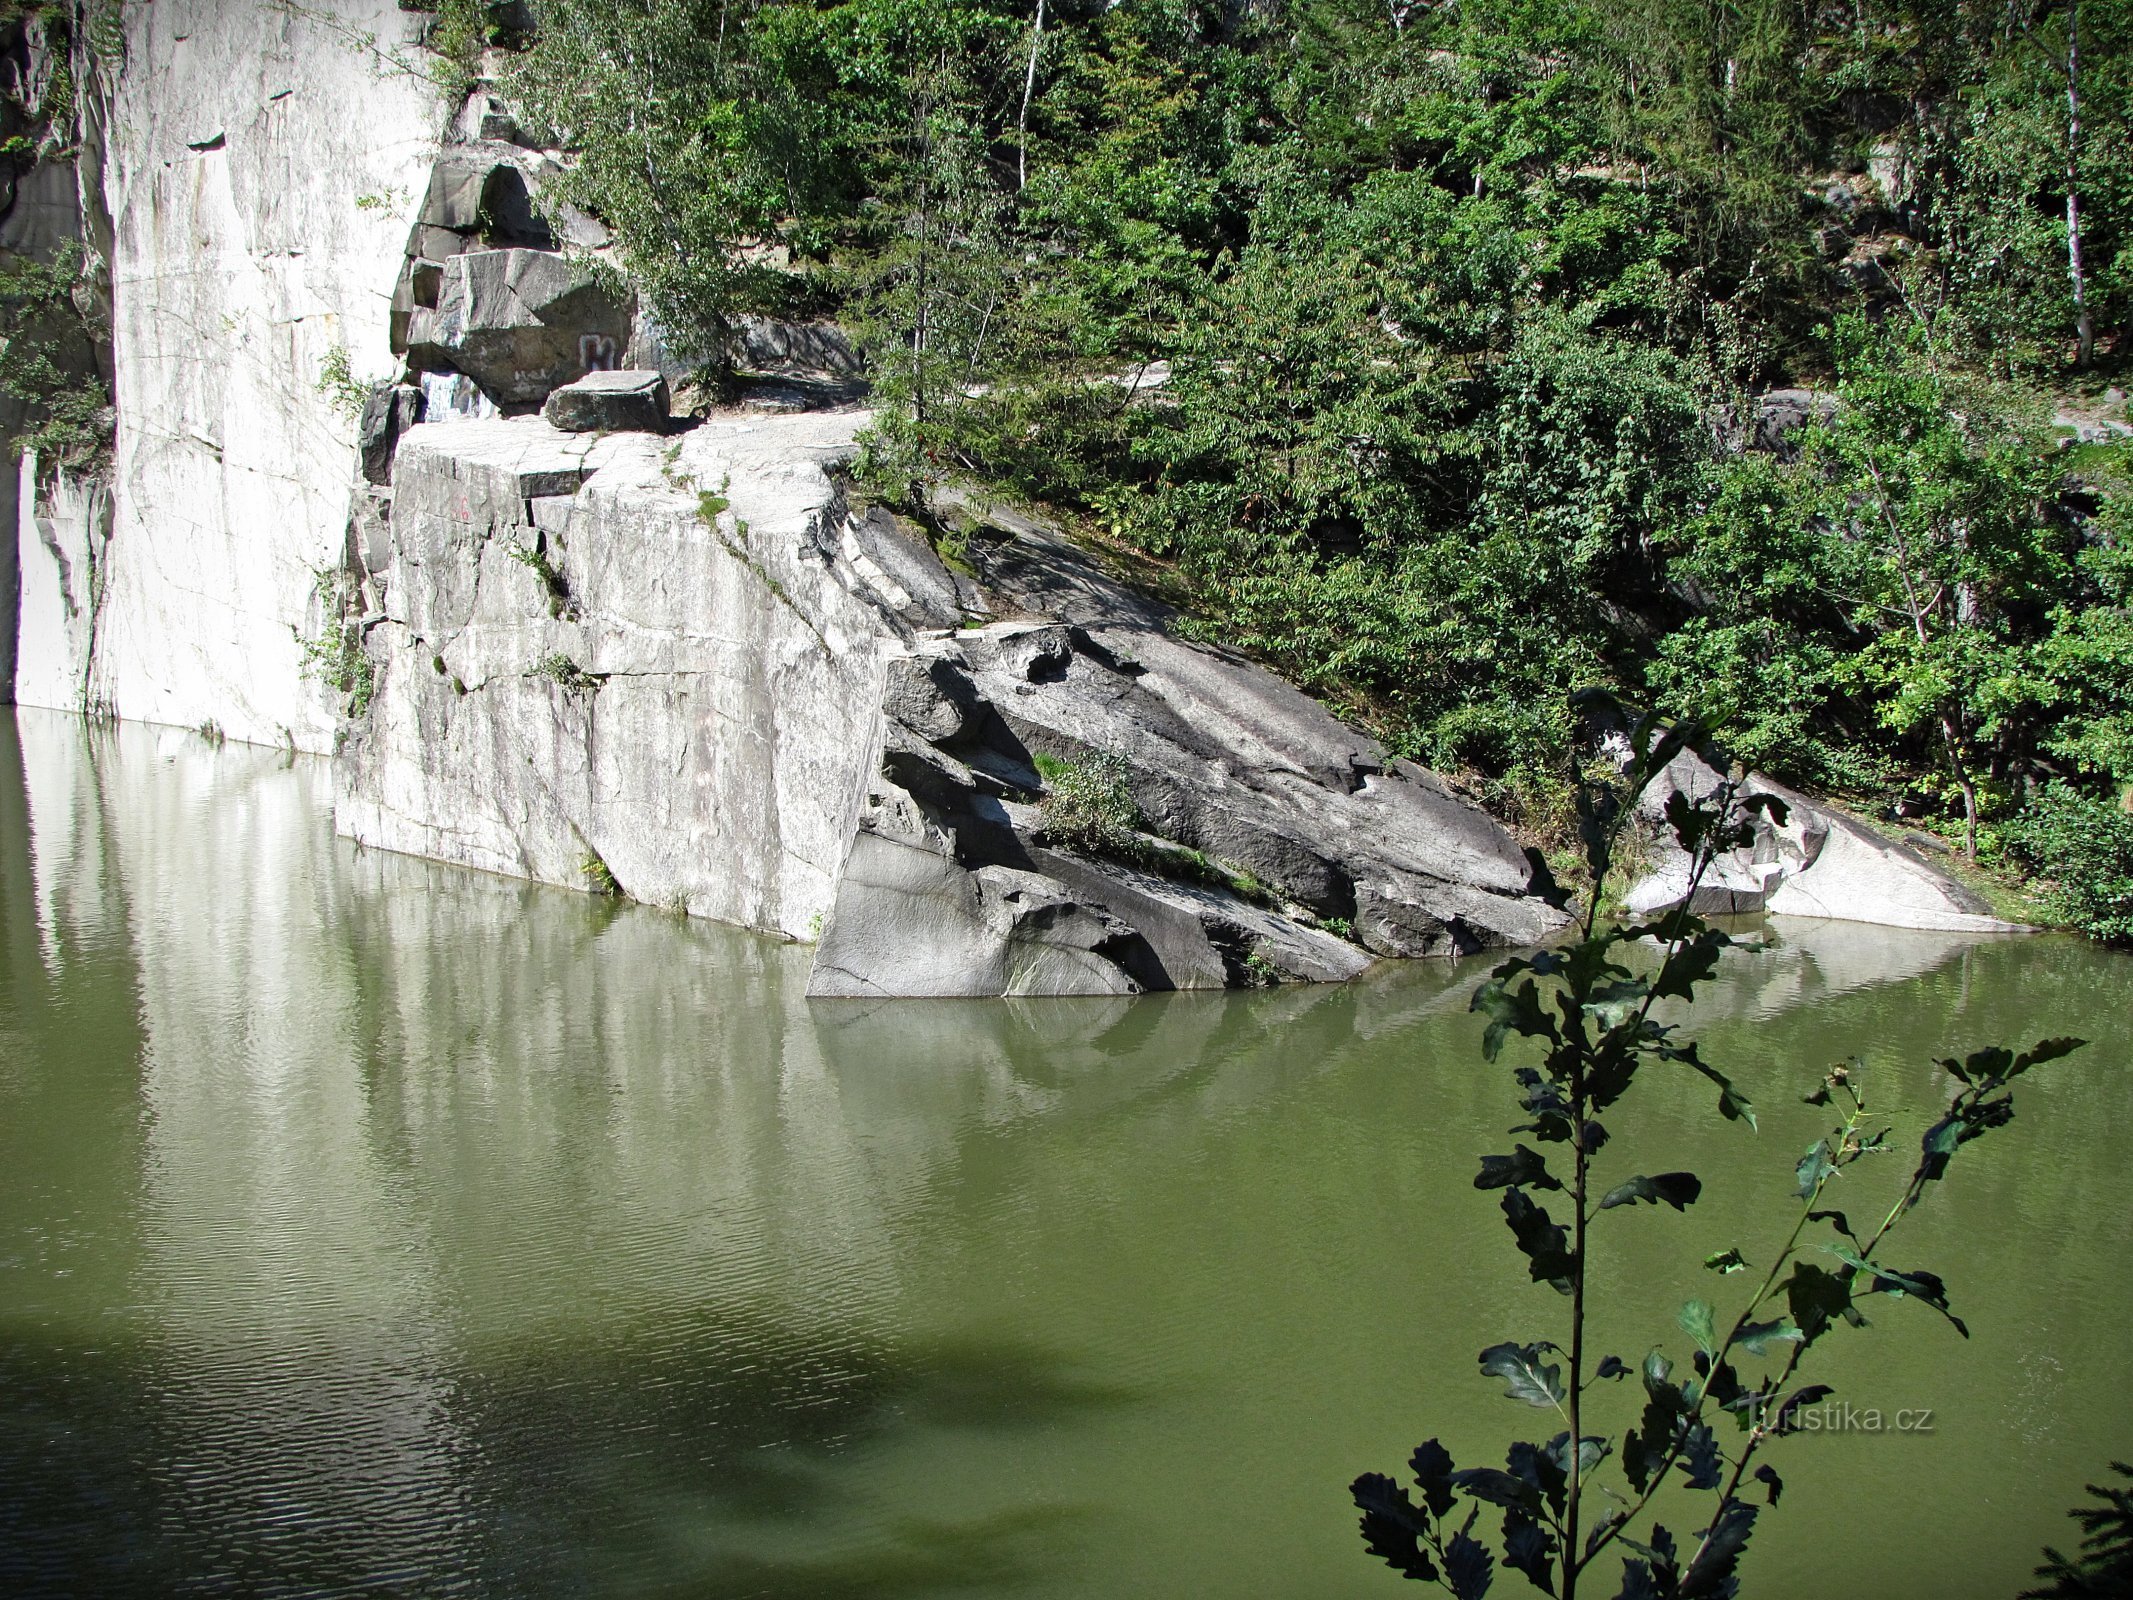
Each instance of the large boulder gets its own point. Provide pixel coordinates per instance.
(520, 323)
(1270, 841)
(1818, 862)
(609, 402)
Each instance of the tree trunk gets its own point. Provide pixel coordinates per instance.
(2084, 322)
(1029, 88)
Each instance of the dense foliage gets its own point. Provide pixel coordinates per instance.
(53, 399)
(1417, 346)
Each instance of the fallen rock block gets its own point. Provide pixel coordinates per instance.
(609, 402)
(520, 323)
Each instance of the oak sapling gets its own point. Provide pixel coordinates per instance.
(1592, 1018)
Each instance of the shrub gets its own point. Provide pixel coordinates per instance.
(2082, 850)
(1088, 807)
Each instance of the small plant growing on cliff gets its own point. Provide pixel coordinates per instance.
(599, 877)
(565, 673)
(335, 657)
(1591, 1018)
(534, 557)
(344, 391)
(1088, 807)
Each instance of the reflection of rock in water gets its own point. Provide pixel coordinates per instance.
(301, 1339)
(1809, 960)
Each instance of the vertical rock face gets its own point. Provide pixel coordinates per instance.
(65, 527)
(263, 164)
(629, 661)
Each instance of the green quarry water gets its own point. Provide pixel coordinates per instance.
(372, 1227)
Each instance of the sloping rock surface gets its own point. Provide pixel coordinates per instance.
(692, 670)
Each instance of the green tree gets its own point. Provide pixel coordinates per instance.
(1944, 544)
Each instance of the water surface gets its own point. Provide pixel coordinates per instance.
(368, 1226)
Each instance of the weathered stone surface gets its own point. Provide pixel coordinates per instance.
(521, 323)
(1782, 413)
(722, 683)
(1817, 863)
(771, 718)
(1269, 790)
(389, 412)
(763, 344)
(454, 397)
(64, 533)
(609, 402)
(933, 928)
(235, 272)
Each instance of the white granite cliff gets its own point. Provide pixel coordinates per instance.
(250, 173)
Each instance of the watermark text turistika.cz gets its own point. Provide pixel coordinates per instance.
(1842, 1416)
(1846, 1417)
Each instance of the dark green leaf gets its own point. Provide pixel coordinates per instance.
(1918, 1284)
(1393, 1526)
(1512, 1010)
(1694, 962)
(1541, 1470)
(1592, 1450)
(1431, 1465)
(1543, 1102)
(1541, 1240)
(1835, 1219)
(1644, 1450)
(1815, 1297)
(1727, 1260)
(1468, 1567)
(1700, 1458)
(1522, 1166)
(1722, 1384)
(1757, 1337)
(1813, 1168)
(1525, 1376)
(1677, 1189)
(1767, 1476)
(1786, 1419)
(1497, 1487)
(1611, 1367)
(1710, 1573)
(2042, 1051)
(1530, 1549)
